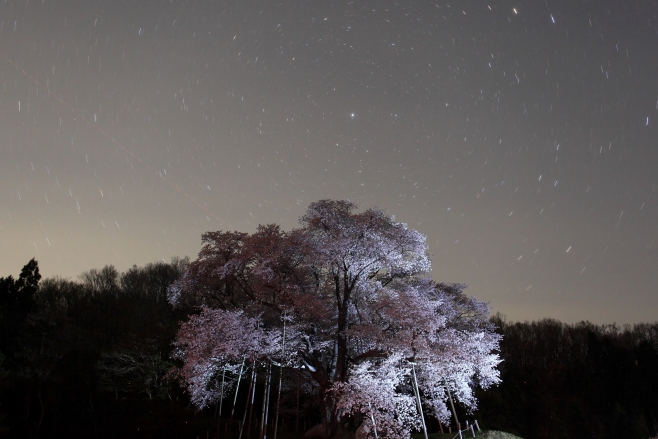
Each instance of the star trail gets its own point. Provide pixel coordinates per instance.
(519, 136)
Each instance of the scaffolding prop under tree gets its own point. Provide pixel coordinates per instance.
(251, 395)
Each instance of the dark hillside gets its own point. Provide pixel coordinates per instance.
(573, 381)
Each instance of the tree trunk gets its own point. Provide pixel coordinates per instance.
(331, 420)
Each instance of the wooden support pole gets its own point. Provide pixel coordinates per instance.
(452, 405)
(372, 417)
(263, 420)
(237, 387)
(251, 404)
(221, 400)
(267, 406)
(417, 392)
(297, 412)
(278, 398)
(246, 406)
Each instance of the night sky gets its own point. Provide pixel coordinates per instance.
(520, 136)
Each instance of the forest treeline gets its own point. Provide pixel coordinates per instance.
(88, 357)
(575, 380)
(92, 358)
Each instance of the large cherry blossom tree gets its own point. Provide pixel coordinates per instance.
(362, 318)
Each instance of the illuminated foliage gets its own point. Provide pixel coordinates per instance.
(359, 308)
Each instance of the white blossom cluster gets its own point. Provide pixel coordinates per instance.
(345, 301)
